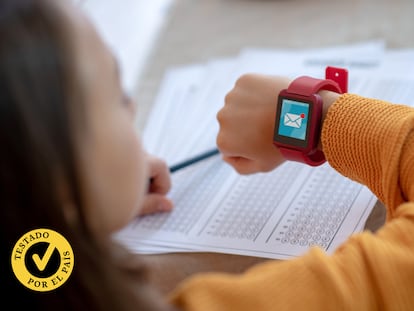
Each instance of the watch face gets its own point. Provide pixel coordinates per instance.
(293, 122)
(294, 118)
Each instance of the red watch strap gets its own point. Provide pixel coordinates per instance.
(315, 159)
(307, 86)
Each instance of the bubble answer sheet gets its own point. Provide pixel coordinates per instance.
(280, 214)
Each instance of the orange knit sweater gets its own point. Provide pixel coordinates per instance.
(371, 142)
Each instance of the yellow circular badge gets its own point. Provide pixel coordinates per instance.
(42, 260)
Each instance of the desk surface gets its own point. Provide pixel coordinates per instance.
(198, 30)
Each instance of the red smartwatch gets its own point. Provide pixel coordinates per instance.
(298, 119)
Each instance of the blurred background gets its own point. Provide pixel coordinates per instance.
(130, 28)
(150, 36)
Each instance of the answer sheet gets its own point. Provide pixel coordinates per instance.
(280, 214)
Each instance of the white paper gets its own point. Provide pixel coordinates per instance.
(275, 215)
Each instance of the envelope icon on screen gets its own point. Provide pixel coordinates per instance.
(292, 120)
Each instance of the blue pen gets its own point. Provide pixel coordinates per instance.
(189, 162)
(194, 160)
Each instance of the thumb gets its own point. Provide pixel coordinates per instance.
(155, 203)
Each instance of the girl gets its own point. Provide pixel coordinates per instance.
(71, 161)
(70, 158)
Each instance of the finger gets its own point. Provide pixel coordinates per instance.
(238, 146)
(160, 184)
(155, 203)
(160, 176)
(230, 136)
(245, 166)
(242, 165)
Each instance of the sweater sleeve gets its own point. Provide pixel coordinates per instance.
(371, 142)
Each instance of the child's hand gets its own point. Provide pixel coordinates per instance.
(160, 183)
(246, 124)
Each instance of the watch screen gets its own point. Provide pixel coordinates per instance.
(294, 116)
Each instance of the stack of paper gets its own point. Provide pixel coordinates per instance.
(278, 214)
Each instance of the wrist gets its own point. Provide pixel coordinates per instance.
(328, 98)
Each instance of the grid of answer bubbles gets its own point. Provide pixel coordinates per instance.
(190, 200)
(318, 213)
(245, 212)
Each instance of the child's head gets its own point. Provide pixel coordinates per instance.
(112, 170)
(70, 159)
(66, 127)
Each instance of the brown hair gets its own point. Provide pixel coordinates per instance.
(39, 100)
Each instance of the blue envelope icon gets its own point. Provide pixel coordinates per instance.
(292, 120)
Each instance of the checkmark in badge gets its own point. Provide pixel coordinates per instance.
(41, 263)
